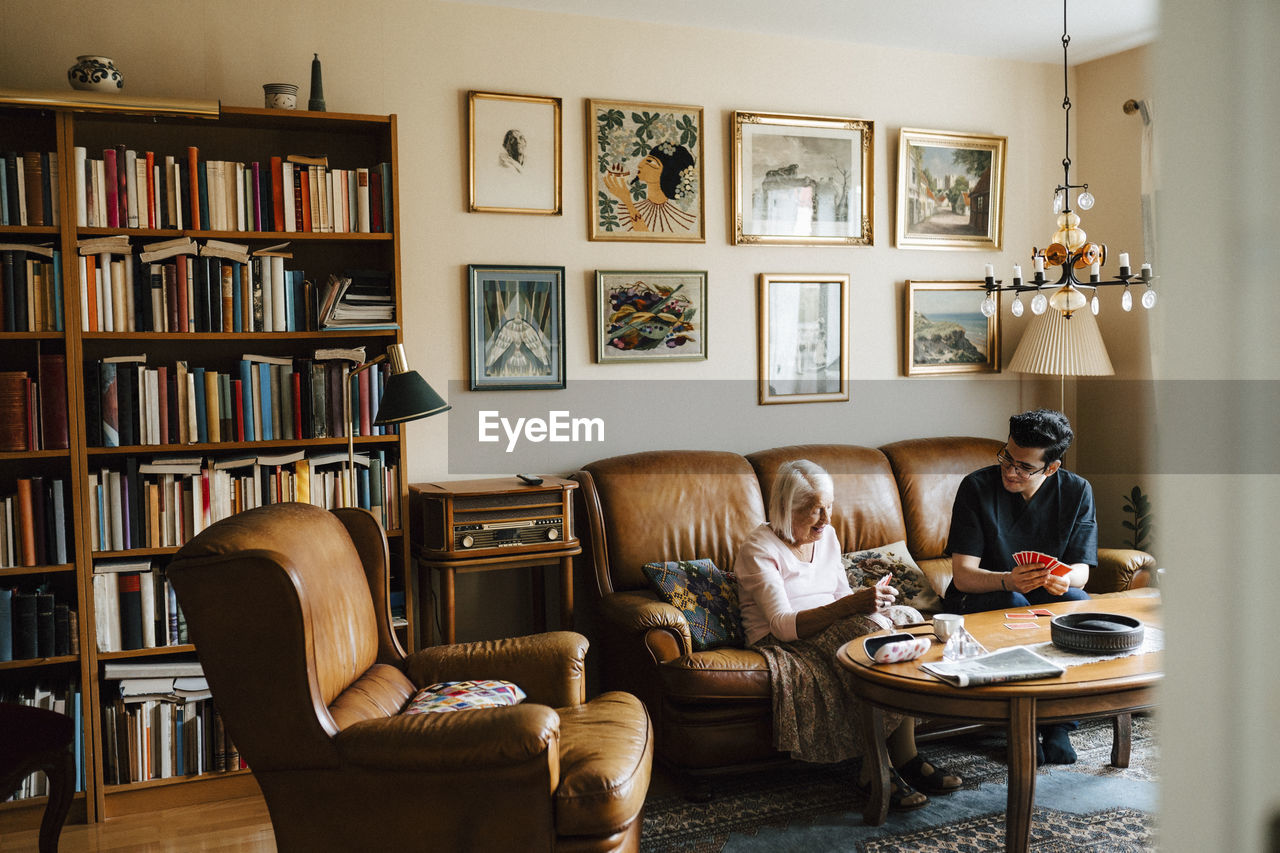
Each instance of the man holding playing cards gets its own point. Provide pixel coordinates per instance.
(1023, 533)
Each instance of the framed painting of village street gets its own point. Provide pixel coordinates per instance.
(944, 330)
(950, 190)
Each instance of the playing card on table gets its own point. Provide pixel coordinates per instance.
(1021, 626)
(1040, 611)
(1020, 615)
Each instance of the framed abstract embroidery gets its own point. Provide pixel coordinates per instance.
(650, 316)
(644, 172)
(802, 180)
(517, 327)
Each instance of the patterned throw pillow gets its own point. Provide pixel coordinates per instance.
(864, 568)
(463, 696)
(707, 596)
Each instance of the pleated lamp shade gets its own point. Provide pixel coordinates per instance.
(1062, 346)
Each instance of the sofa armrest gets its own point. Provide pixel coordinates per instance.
(549, 668)
(1117, 569)
(446, 741)
(643, 615)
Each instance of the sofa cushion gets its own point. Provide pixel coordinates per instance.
(707, 596)
(718, 675)
(866, 567)
(464, 696)
(938, 571)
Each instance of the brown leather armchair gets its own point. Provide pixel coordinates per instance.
(288, 607)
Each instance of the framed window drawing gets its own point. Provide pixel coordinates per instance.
(644, 172)
(804, 338)
(514, 153)
(950, 190)
(650, 316)
(803, 180)
(517, 327)
(945, 330)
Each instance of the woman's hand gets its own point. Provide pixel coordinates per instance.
(616, 184)
(869, 599)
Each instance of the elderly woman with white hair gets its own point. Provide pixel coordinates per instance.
(797, 610)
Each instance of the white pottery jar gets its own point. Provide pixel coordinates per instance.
(95, 74)
(280, 96)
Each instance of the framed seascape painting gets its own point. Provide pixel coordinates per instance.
(804, 338)
(650, 316)
(945, 330)
(517, 327)
(802, 180)
(950, 190)
(644, 172)
(514, 153)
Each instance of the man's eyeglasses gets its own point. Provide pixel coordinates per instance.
(1013, 466)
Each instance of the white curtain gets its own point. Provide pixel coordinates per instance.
(1150, 180)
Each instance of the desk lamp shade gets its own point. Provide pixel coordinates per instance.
(1062, 346)
(407, 396)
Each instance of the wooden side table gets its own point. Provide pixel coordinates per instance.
(501, 524)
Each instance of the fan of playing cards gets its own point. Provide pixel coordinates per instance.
(1028, 558)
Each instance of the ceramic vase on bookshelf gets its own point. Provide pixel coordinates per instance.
(281, 96)
(95, 74)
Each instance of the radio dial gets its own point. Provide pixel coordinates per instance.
(553, 533)
(468, 540)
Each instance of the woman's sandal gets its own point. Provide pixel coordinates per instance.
(902, 797)
(931, 780)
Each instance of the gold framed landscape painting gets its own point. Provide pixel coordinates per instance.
(802, 180)
(644, 172)
(514, 153)
(804, 338)
(950, 190)
(946, 331)
(650, 316)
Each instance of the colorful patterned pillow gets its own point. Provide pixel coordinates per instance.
(707, 596)
(463, 696)
(864, 568)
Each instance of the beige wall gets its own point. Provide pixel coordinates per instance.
(419, 59)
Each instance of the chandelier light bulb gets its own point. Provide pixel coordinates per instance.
(1126, 301)
(1016, 307)
(1095, 305)
(1148, 299)
(1038, 303)
(989, 306)
(1084, 201)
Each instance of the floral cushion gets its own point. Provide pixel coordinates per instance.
(864, 568)
(463, 696)
(707, 596)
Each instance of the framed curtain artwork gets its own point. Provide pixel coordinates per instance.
(514, 153)
(517, 327)
(804, 338)
(644, 172)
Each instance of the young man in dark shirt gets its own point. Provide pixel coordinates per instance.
(1025, 502)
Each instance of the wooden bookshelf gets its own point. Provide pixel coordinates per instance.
(238, 135)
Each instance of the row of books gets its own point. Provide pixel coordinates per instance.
(28, 194)
(33, 524)
(126, 188)
(174, 679)
(135, 607)
(62, 696)
(164, 503)
(265, 398)
(36, 624)
(160, 739)
(33, 410)
(30, 288)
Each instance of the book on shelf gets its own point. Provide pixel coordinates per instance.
(36, 622)
(1016, 663)
(31, 280)
(115, 244)
(168, 249)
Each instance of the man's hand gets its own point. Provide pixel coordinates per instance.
(1029, 576)
(1056, 584)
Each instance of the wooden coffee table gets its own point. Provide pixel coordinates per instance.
(1114, 688)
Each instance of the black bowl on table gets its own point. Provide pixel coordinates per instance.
(1096, 633)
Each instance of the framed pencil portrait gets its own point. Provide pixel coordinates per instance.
(517, 327)
(802, 180)
(650, 316)
(945, 330)
(644, 172)
(950, 190)
(804, 338)
(514, 153)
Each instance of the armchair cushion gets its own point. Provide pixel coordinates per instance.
(464, 696)
(866, 567)
(550, 667)
(706, 596)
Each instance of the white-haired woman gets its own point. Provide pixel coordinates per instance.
(797, 610)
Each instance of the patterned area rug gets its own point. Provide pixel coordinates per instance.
(778, 809)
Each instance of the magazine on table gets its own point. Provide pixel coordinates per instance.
(1017, 663)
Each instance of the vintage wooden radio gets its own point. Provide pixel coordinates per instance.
(460, 519)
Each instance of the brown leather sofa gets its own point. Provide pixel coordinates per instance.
(288, 607)
(711, 708)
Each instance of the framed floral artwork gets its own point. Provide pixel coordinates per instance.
(513, 157)
(650, 316)
(950, 190)
(517, 327)
(644, 172)
(804, 338)
(945, 330)
(802, 180)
